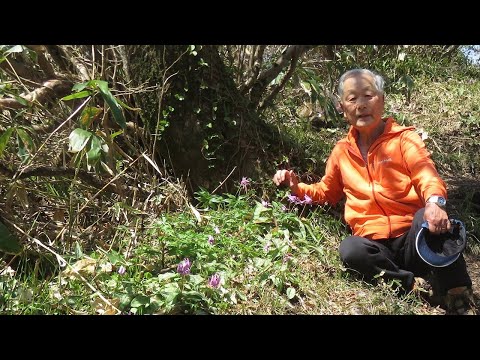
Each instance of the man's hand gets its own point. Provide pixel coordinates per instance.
(288, 178)
(437, 219)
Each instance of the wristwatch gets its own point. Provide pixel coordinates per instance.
(439, 200)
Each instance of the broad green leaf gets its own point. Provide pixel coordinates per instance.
(112, 103)
(95, 148)
(80, 86)
(259, 209)
(196, 279)
(8, 242)
(306, 87)
(257, 214)
(4, 139)
(27, 139)
(166, 276)
(22, 152)
(15, 49)
(79, 95)
(78, 138)
(124, 301)
(114, 257)
(170, 291)
(21, 100)
(290, 292)
(140, 300)
(302, 229)
(88, 115)
(78, 250)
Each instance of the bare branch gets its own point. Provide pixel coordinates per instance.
(79, 66)
(50, 171)
(257, 58)
(268, 75)
(50, 89)
(276, 90)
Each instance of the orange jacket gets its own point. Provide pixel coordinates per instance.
(383, 195)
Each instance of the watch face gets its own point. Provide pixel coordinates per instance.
(442, 201)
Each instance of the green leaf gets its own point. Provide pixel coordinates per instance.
(166, 276)
(78, 138)
(21, 100)
(8, 242)
(95, 148)
(115, 134)
(122, 104)
(290, 293)
(78, 95)
(15, 49)
(80, 86)
(112, 103)
(140, 300)
(114, 257)
(78, 250)
(124, 301)
(170, 292)
(257, 214)
(88, 114)
(27, 139)
(196, 279)
(22, 152)
(4, 139)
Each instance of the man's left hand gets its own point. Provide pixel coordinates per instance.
(437, 218)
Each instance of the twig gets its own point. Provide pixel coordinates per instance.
(231, 172)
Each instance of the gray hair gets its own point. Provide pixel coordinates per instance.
(379, 82)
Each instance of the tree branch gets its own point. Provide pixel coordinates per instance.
(79, 66)
(276, 90)
(49, 171)
(50, 89)
(268, 75)
(257, 60)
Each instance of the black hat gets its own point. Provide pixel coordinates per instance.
(441, 250)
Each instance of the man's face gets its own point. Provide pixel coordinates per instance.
(361, 103)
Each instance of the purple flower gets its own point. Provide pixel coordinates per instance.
(267, 246)
(307, 200)
(184, 267)
(214, 281)
(121, 270)
(265, 203)
(245, 182)
(293, 199)
(217, 230)
(210, 239)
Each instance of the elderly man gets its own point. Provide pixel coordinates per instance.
(391, 187)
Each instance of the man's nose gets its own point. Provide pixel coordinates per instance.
(361, 103)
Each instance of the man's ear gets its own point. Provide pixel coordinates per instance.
(338, 106)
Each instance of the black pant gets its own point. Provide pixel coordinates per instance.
(397, 258)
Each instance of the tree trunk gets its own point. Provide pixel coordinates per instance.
(210, 129)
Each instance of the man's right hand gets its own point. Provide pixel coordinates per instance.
(288, 178)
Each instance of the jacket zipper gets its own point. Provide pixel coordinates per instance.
(373, 190)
